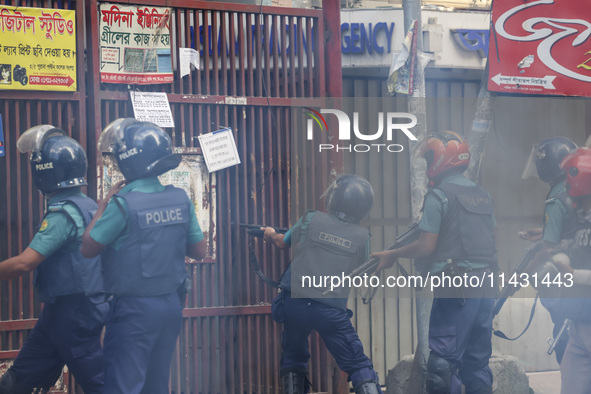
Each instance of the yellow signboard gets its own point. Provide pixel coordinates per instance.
(37, 49)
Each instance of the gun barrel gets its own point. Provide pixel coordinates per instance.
(521, 267)
(255, 229)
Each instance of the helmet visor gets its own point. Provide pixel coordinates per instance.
(112, 135)
(33, 138)
(530, 166)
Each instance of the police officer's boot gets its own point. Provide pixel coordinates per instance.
(294, 383)
(368, 387)
(9, 385)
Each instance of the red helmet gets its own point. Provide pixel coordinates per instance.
(443, 151)
(577, 166)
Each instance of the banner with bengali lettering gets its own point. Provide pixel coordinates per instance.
(37, 49)
(135, 44)
(541, 47)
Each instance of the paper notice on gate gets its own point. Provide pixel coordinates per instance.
(152, 107)
(219, 149)
(188, 57)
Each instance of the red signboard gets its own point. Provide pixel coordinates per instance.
(544, 47)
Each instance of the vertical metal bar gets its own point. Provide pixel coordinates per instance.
(223, 45)
(240, 358)
(258, 359)
(242, 43)
(178, 80)
(231, 376)
(186, 87)
(319, 57)
(244, 204)
(300, 53)
(195, 353)
(258, 54)
(283, 50)
(266, 48)
(309, 58)
(9, 202)
(206, 49)
(232, 48)
(215, 47)
(274, 45)
(249, 56)
(292, 49)
(197, 35)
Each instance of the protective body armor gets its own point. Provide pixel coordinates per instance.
(330, 247)
(467, 231)
(151, 260)
(65, 273)
(580, 258)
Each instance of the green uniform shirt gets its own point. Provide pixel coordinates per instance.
(56, 230)
(434, 211)
(111, 228)
(555, 214)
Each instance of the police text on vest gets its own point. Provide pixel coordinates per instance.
(164, 216)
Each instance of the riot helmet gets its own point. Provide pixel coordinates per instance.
(444, 151)
(141, 149)
(57, 161)
(577, 166)
(349, 197)
(545, 158)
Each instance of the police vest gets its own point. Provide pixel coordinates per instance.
(151, 260)
(64, 272)
(576, 300)
(330, 247)
(467, 231)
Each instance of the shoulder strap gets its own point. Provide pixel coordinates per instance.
(438, 193)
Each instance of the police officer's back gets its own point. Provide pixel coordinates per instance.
(559, 221)
(146, 230)
(324, 244)
(457, 238)
(69, 326)
(574, 262)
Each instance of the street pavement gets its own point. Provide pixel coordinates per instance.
(545, 382)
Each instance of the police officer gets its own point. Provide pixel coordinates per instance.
(324, 244)
(575, 264)
(146, 230)
(70, 324)
(457, 238)
(559, 215)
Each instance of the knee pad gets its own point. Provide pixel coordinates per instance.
(294, 382)
(9, 385)
(368, 387)
(439, 374)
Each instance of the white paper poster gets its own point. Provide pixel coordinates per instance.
(152, 107)
(189, 57)
(219, 149)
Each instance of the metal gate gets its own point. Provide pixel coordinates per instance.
(229, 343)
